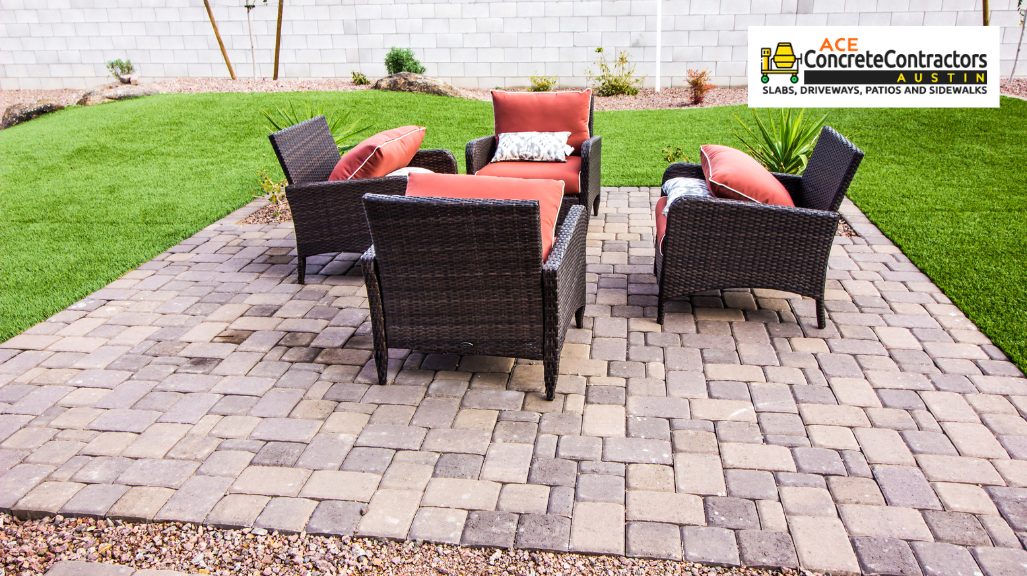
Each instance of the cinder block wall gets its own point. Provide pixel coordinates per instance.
(474, 43)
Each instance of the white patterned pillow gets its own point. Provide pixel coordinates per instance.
(533, 146)
(677, 187)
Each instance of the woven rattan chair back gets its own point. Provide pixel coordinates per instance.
(461, 276)
(306, 151)
(830, 170)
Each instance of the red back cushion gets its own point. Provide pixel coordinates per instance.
(543, 112)
(733, 174)
(380, 154)
(548, 194)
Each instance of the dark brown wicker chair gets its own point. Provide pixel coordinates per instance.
(328, 216)
(479, 152)
(711, 243)
(471, 281)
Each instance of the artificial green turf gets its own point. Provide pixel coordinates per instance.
(88, 193)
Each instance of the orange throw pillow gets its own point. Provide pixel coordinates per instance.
(380, 154)
(544, 112)
(548, 194)
(735, 175)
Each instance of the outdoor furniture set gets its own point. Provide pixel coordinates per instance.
(493, 262)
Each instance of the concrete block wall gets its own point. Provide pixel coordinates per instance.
(473, 43)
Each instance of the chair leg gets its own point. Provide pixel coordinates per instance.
(595, 206)
(579, 317)
(381, 362)
(659, 312)
(302, 269)
(821, 314)
(551, 368)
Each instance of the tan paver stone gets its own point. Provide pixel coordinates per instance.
(598, 527)
(340, 485)
(807, 501)
(772, 515)
(736, 372)
(665, 507)
(351, 423)
(651, 477)
(438, 525)
(695, 441)
(855, 392)
(833, 415)
(833, 437)
(603, 420)
(964, 498)
(757, 457)
(141, 503)
(699, 474)
(237, 510)
(855, 490)
(406, 475)
(885, 522)
(949, 406)
(883, 446)
(389, 514)
(974, 440)
(507, 463)
(822, 544)
(270, 481)
(461, 493)
(939, 468)
(524, 498)
(47, 498)
(731, 410)
(1013, 471)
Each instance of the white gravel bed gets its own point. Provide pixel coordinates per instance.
(32, 546)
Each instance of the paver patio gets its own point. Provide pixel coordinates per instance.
(207, 386)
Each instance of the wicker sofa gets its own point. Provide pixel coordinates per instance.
(438, 288)
(709, 243)
(479, 153)
(328, 216)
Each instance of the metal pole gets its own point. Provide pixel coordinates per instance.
(659, 40)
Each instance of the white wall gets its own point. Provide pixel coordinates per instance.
(484, 43)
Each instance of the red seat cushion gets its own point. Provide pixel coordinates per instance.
(661, 223)
(569, 171)
(548, 194)
(735, 175)
(380, 154)
(544, 112)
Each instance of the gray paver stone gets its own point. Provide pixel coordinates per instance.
(710, 545)
(885, 556)
(486, 528)
(543, 532)
(336, 517)
(766, 548)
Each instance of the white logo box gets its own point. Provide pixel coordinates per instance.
(873, 66)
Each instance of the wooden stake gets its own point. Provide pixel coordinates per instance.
(278, 37)
(217, 34)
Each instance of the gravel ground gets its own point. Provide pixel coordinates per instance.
(1016, 87)
(31, 546)
(648, 98)
(9, 97)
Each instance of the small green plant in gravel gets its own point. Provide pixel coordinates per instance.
(782, 140)
(121, 70)
(402, 60)
(359, 78)
(674, 154)
(614, 79)
(698, 85)
(543, 83)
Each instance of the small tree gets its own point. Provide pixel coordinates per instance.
(1023, 16)
(217, 34)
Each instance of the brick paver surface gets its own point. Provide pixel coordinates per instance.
(208, 386)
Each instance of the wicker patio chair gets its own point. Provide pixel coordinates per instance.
(473, 281)
(328, 216)
(711, 243)
(479, 153)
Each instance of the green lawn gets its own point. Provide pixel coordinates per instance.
(88, 193)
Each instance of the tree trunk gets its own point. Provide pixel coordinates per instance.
(987, 12)
(217, 34)
(1019, 45)
(253, 51)
(278, 37)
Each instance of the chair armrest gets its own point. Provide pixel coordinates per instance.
(440, 161)
(683, 170)
(329, 216)
(479, 152)
(563, 273)
(591, 168)
(336, 191)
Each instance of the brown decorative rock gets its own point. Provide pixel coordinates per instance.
(18, 113)
(410, 82)
(113, 92)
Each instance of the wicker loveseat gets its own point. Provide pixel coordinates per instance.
(708, 243)
(328, 216)
(472, 282)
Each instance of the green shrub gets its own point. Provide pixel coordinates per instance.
(698, 85)
(783, 140)
(120, 69)
(343, 125)
(614, 79)
(273, 190)
(359, 78)
(543, 83)
(402, 60)
(674, 154)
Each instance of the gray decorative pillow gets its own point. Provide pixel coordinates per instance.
(533, 146)
(677, 187)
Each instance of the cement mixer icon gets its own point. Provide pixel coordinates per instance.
(783, 62)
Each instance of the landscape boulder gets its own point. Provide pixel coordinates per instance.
(113, 92)
(18, 113)
(410, 82)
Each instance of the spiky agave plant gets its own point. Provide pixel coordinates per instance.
(343, 125)
(782, 140)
